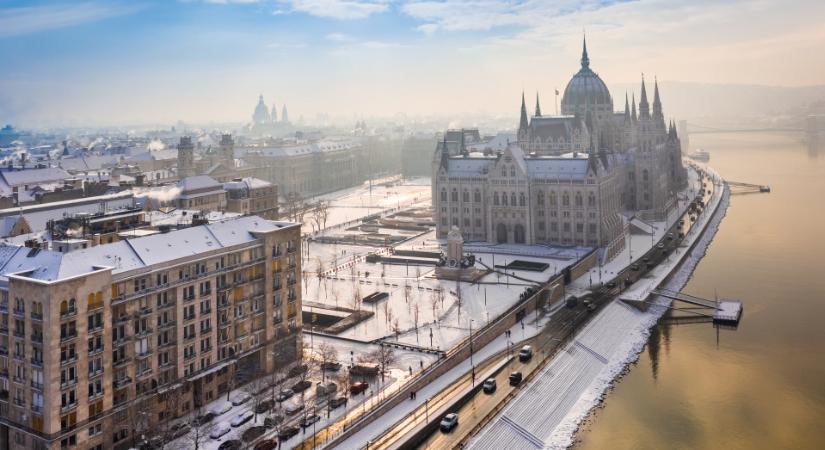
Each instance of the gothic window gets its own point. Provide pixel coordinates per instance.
(504, 171)
(513, 171)
(495, 198)
(591, 200)
(521, 199)
(466, 195)
(644, 175)
(477, 196)
(565, 199)
(578, 199)
(454, 195)
(552, 199)
(504, 198)
(540, 199)
(443, 195)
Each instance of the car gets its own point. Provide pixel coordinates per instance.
(267, 444)
(180, 429)
(220, 408)
(240, 398)
(301, 386)
(611, 284)
(660, 246)
(287, 432)
(309, 420)
(294, 408)
(589, 305)
(338, 401)
(634, 267)
(358, 387)
(252, 433)
(204, 418)
(525, 353)
(272, 422)
(219, 430)
(263, 406)
(297, 370)
(285, 394)
(670, 236)
(232, 444)
(681, 222)
(242, 418)
(331, 366)
(449, 422)
(489, 385)
(515, 378)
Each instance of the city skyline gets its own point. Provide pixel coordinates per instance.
(152, 62)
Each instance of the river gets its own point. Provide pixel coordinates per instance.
(761, 385)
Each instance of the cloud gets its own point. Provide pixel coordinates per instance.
(339, 9)
(339, 37)
(33, 19)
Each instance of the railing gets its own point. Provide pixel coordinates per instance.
(37, 362)
(68, 314)
(37, 316)
(67, 337)
(68, 360)
(36, 385)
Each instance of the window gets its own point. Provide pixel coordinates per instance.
(477, 196)
(565, 199)
(521, 199)
(552, 199)
(513, 171)
(495, 198)
(443, 195)
(465, 196)
(540, 199)
(454, 195)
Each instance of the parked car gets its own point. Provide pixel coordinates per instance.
(252, 433)
(294, 408)
(515, 378)
(219, 430)
(263, 406)
(220, 408)
(449, 422)
(358, 387)
(331, 366)
(204, 418)
(272, 422)
(242, 418)
(611, 284)
(634, 267)
(323, 389)
(660, 246)
(589, 305)
(525, 353)
(309, 420)
(301, 386)
(288, 432)
(267, 444)
(180, 429)
(338, 401)
(232, 444)
(285, 394)
(297, 370)
(489, 385)
(240, 398)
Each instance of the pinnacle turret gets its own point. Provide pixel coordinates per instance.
(523, 124)
(644, 106)
(538, 107)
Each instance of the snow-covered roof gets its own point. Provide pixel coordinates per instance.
(198, 182)
(568, 166)
(33, 176)
(309, 148)
(132, 254)
(247, 183)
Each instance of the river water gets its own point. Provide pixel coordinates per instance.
(761, 385)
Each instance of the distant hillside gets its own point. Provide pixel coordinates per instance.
(687, 100)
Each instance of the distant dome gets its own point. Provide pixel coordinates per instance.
(586, 91)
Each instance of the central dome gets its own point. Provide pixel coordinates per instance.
(586, 91)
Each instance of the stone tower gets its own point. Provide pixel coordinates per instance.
(228, 150)
(186, 157)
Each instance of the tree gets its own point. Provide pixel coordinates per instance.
(328, 355)
(257, 389)
(434, 300)
(415, 319)
(139, 420)
(310, 364)
(384, 356)
(198, 428)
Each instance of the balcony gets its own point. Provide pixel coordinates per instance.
(68, 407)
(144, 310)
(37, 362)
(167, 344)
(4, 307)
(120, 340)
(187, 317)
(21, 402)
(143, 355)
(167, 324)
(166, 305)
(121, 382)
(36, 385)
(206, 330)
(67, 337)
(68, 360)
(37, 338)
(95, 373)
(121, 362)
(4, 373)
(19, 333)
(144, 332)
(19, 312)
(68, 383)
(4, 351)
(4, 330)
(68, 314)
(37, 316)
(206, 311)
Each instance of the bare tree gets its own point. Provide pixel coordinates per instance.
(415, 318)
(199, 428)
(384, 356)
(328, 355)
(295, 208)
(323, 212)
(310, 365)
(396, 328)
(356, 298)
(257, 389)
(434, 300)
(139, 421)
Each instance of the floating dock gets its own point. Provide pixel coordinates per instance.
(724, 311)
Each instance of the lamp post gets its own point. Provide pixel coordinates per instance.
(472, 365)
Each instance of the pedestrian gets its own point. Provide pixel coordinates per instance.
(410, 367)
(411, 395)
(421, 363)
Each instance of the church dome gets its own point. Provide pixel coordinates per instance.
(586, 91)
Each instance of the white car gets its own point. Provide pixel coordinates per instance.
(219, 430)
(242, 418)
(240, 398)
(294, 408)
(220, 408)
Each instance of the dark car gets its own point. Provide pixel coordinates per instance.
(232, 444)
(515, 378)
(309, 420)
(338, 401)
(358, 387)
(288, 432)
(285, 394)
(489, 385)
(273, 421)
(634, 267)
(180, 429)
(301, 386)
(204, 418)
(331, 366)
(449, 422)
(297, 370)
(525, 354)
(611, 284)
(263, 406)
(267, 444)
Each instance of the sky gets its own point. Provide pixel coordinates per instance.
(143, 61)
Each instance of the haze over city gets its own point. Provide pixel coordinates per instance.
(151, 62)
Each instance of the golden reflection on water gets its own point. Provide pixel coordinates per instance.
(763, 384)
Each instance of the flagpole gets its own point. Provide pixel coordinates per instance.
(557, 101)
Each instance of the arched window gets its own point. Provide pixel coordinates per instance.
(513, 198)
(466, 195)
(553, 201)
(495, 198)
(477, 196)
(579, 199)
(454, 195)
(521, 199)
(540, 199)
(565, 199)
(504, 198)
(513, 171)
(591, 200)
(64, 307)
(443, 195)
(503, 171)
(91, 300)
(644, 175)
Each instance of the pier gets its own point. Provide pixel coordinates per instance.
(737, 187)
(723, 311)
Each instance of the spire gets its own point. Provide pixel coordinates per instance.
(633, 108)
(538, 108)
(644, 107)
(657, 103)
(585, 58)
(626, 108)
(522, 126)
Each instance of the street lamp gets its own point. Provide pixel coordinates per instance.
(472, 365)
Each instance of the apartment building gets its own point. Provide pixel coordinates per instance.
(93, 343)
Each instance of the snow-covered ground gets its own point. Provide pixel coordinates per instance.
(547, 412)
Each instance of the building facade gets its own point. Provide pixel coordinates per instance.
(252, 196)
(96, 344)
